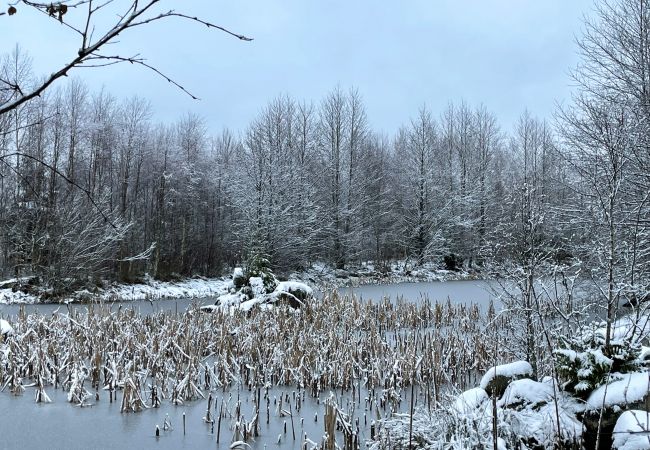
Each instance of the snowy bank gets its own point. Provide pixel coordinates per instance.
(149, 290)
(369, 273)
(153, 289)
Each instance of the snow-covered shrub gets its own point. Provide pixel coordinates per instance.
(471, 401)
(466, 422)
(623, 390)
(527, 393)
(535, 425)
(260, 291)
(585, 363)
(606, 404)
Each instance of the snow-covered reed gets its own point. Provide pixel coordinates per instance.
(333, 344)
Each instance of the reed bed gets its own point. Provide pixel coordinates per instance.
(332, 344)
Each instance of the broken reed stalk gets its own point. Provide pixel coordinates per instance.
(208, 411)
(219, 421)
(411, 417)
(329, 421)
(293, 430)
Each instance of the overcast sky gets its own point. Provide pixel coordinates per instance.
(507, 54)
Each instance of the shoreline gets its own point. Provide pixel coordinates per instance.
(123, 292)
(319, 277)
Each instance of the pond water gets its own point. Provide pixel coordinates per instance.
(60, 424)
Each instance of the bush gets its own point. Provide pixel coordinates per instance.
(585, 363)
(259, 266)
(453, 262)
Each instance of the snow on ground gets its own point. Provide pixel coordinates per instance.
(149, 290)
(539, 423)
(629, 388)
(7, 297)
(369, 273)
(632, 431)
(471, 401)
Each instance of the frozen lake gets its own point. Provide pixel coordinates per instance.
(60, 424)
(466, 291)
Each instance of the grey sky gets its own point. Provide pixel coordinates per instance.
(506, 54)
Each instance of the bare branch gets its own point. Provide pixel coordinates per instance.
(140, 61)
(134, 17)
(172, 13)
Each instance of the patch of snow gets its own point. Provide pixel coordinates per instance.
(629, 388)
(288, 286)
(527, 391)
(324, 275)
(644, 355)
(470, 401)
(627, 328)
(247, 305)
(257, 285)
(6, 328)
(632, 431)
(209, 308)
(7, 284)
(7, 296)
(540, 424)
(228, 300)
(511, 370)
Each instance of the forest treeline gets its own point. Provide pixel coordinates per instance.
(304, 182)
(91, 186)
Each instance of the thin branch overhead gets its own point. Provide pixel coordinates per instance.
(115, 59)
(137, 14)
